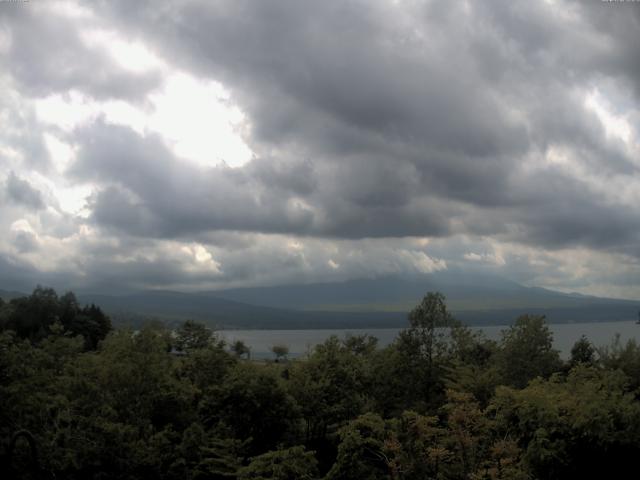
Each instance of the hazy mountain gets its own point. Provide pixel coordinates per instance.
(8, 295)
(464, 292)
(379, 302)
(174, 307)
(363, 303)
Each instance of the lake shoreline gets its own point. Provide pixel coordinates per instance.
(301, 341)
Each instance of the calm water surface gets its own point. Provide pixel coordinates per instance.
(301, 342)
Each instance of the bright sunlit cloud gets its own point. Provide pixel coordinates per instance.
(614, 124)
(195, 118)
(133, 56)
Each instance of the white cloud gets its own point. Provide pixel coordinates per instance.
(616, 125)
(132, 55)
(491, 258)
(197, 120)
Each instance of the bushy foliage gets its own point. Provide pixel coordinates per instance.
(34, 316)
(527, 352)
(285, 464)
(441, 402)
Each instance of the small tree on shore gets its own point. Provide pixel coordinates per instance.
(240, 348)
(280, 351)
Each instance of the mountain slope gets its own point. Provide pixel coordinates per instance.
(8, 295)
(364, 303)
(174, 307)
(464, 292)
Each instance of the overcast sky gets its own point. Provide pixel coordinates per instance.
(207, 144)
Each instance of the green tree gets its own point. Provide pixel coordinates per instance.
(240, 349)
(584, 425)
(280, 351)
(479, 450)
(33, 397)
(473, 368)
(360, 344)
(422, 352)
(68, 308)
(526, 351)
(582, 352)
(416, 447)
(361, 452)
(623, 357)
(206, 367)
(30, 317)
(134, 376)
(252, 404)
(92, 324)
(329, 387)
(192, 335)
(425, 319)
(201, 454)
(287, 464)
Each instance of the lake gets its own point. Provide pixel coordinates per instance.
(301, 342)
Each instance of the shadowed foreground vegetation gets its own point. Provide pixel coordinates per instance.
(81, 401)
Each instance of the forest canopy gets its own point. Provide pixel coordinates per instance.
(81, 400)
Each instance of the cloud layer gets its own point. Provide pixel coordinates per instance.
(322, 141)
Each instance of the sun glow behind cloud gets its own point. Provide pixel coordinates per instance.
(195, 118)
(615, 125)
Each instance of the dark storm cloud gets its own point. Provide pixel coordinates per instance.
(620, 26)
(570, 215)
(408, 113)
(149, 192)
(153, 193)
(20, 191)
(24, 242)
(297, 176)
(18, 275)
(141, 272)
(22, 133)
(46, 54)
(323, 68)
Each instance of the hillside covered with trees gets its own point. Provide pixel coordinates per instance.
(81, 400)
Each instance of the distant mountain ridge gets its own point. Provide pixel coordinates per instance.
(464, 292)
(174, 307)
(8, 295)
(476, 299)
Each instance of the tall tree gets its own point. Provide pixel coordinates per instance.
(424, 320)
(422, 351)
(192, 335)
(526, 351)
(30, 317)
(582, 352)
